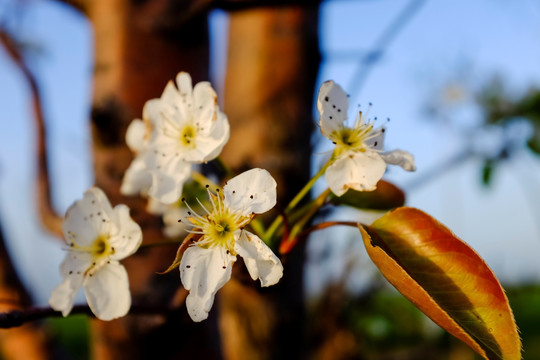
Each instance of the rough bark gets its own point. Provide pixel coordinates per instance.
(139, 46)
(272, 65)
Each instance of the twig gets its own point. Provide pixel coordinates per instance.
(16, 318)
(375, 54)
(49, 218)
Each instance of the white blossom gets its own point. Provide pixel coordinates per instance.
(186, 128)
(98, 236)
(206, 265)
(358, 161)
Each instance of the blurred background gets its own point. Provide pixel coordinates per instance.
(457, 81)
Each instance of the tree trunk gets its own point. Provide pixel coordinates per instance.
(272, 66)
(139, 46)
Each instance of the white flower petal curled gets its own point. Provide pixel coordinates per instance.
(401, 158)
(260, 261)
(206, 265)
(357, 161)
(254, 191)
(203, 273)
(97, 236)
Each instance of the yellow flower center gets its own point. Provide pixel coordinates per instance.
(218, 226)
(101, 247)
(351, 139)
(187, 136)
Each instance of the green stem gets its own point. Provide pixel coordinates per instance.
(301, 194)
(203, 180)
(316, 205)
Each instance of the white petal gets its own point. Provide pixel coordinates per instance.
(209, 143)
(203, 273)
(168, 172)
(401, 158)
(376, 142)
(253, 191)
(107, 291)
(137, 178)
(332, 104)
(126, 234)
(153, 108)
(205, 104)
(220, 132)
(155, 207)
(135, 135)
(183, 80)
(83, 222)
(173, 228)
(260, 261)
(169, 97)
(359, 171)
(72, 269)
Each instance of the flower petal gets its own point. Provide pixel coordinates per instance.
(220, 132)
(253, 191)
(135, 135)
(203, 273)
(401, 158)
(205, 105)
(126, 236)
(72, 269)
(168, 171)
(332, 104)
(107, 291)
(137, 178)
(376, 139)
(260, 261)
(84, 219)
(359, 171)
(183, 80)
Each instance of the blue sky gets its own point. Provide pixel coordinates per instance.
(446, 41)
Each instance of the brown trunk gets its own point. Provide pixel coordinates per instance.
(272, 65)
(140, 46)
(25, 342)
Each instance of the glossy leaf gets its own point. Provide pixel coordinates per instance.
(445, 279)
(386, 196)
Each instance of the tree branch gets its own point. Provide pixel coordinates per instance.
(49, 218)
(15, 318)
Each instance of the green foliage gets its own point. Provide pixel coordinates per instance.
(71, 334)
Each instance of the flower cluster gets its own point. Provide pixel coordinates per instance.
(358, 161)
(182, 128)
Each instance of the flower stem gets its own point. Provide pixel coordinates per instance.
(203, 180)
(301, 194)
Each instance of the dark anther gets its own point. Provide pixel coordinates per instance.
(334, 106)
(333, 142)
(338, 110)
(183, 199)
(326, 98)
(217, 190)
(71, 272)
(207, 186)
(228, 252)
(224, 267)
(234, 191)
(375, 144)
(188, 266)
(251, 196)
(179, 220)
(189, 212)
(330, 117)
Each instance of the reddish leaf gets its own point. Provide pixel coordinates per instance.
(386, 196)
(445, 279)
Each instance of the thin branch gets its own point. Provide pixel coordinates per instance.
(15, 318)
(49, 218)
(375, 54)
